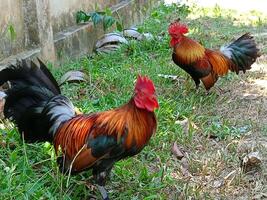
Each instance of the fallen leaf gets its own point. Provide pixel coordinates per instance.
(184, 124)
(133, 33)
(111, 38)
(173, 77)
(2, 104)
(11, 145)
(108, 48)
(149, 36)
(185, 168)
(73, 77)
(251, 160)
(218, 183)
(177, 151)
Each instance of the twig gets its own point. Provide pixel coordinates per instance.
(71, 164)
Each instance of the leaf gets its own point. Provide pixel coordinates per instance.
(184, 124)
(110, 38)
(185, 167)
(141, 29)
(177, 151)
(96, 18)
(173, 77)
(101, 12)
(108, 11)
(2, 104)
(132, 33)
(119, 26)
(82, 17)
(12, 32)
(108, 48)
(108, 21)
(218, 183)
(73, 76)
(251, 160)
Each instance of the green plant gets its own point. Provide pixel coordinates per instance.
(99, 16)
(9, 31)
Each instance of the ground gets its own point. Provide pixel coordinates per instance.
(217, 131)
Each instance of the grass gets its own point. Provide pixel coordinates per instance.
(218, 123)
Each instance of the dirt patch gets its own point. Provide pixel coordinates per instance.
(216, 168)
(247, 98)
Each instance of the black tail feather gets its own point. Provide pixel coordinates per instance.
(29, 101)
(243, 52)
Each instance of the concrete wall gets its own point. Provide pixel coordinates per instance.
(47, 28)
(63, 12)
(11, 14)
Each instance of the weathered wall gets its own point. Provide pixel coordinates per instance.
(47, 28)
(63, 12)
(11, 13)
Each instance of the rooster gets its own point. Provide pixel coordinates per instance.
(206, 64)
(87, 141)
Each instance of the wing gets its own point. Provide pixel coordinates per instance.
(83, 143)
(198, 69)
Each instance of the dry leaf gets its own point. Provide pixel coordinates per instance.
(185, 167)
(11, 145)
(177, 151)
(108, 48)
(218, 183)
(251, 160)
(184, 124)
(111, 38)
(73, 76)
(2, 104)
(133, 33)
(173, 77)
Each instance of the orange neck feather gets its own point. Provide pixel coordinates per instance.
(188, 50)
(140, 124)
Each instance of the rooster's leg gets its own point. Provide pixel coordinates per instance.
(103, 192)
(197, 82)
(100, 178)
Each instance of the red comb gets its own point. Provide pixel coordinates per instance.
(143, 82)
(177, 28)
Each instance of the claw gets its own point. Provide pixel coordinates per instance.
(103, 192)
